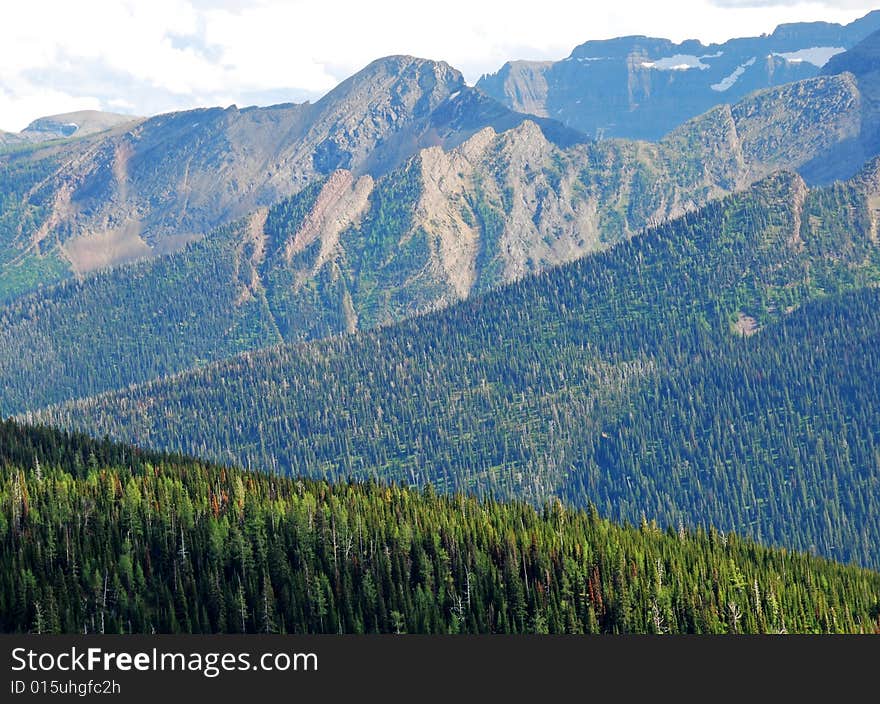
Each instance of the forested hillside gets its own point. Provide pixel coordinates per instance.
(404, 360)
(22, 208)
(713, 371)
(351, 252)
(104, 538)
(125, 326)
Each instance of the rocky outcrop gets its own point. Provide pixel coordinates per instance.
(173, 178)
(642, 87)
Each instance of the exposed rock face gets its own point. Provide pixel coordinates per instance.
(503, 205)
(152, 186)
(643, 87)
(384, 99)
(409, 189)
(76, 124)
(485, 197)
(340, 204)
(863, 63)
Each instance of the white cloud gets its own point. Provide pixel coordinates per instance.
(19, 111)
(156, 55)
(121, 104)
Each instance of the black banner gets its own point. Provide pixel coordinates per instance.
(417, 668)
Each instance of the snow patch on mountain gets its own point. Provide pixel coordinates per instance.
(817, 55)
(728, 81)
(678, 62)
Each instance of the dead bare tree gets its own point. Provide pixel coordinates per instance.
(735, 614)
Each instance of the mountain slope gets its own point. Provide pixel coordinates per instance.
(352, 251)
(105, 538)
(643, 87)
(72, 124)
(149, 189)
(573, 383)
(862, 62)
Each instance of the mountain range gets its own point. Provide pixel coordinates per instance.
(672, 376)
(642, 87)
(148, 188)
(353, 250)
(420, 286)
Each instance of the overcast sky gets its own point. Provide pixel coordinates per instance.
(146, 57)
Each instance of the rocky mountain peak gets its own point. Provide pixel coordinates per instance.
(400, 84)
(643, 87)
